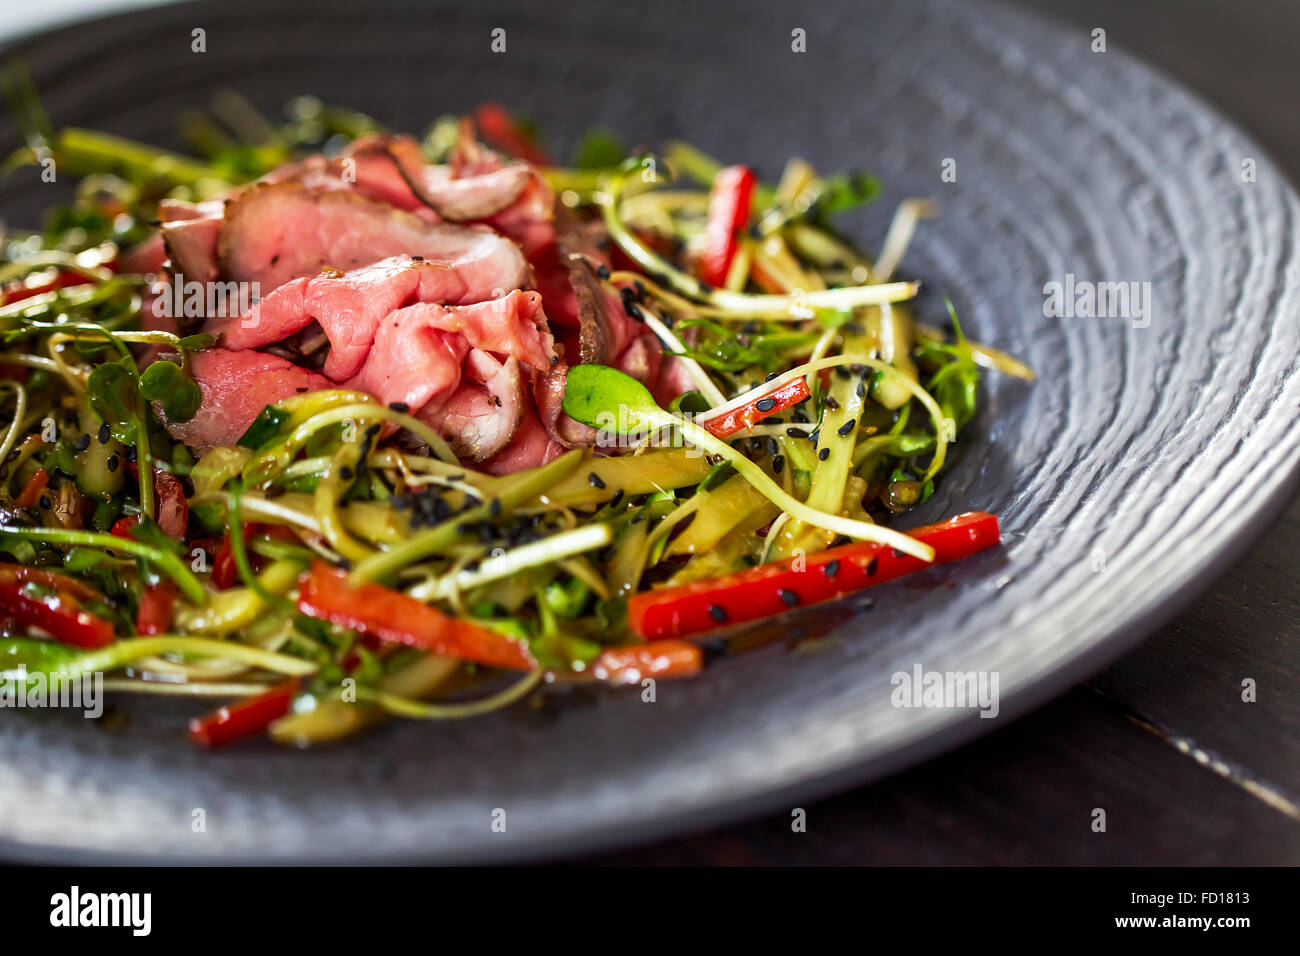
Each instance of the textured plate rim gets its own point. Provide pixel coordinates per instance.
(1277, 492)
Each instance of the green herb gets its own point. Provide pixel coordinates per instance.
(166, 383)
(264, 428)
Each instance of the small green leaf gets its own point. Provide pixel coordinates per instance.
(846, 191)
(596, 394)
(599, 149)
(264, 428)
(166, 383)
(115, 398)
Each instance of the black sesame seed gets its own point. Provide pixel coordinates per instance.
(4, 471)
(823, 454)
(771, 376)
(862, 390)
(83, 442)
(773, 449)
(871, 567)
(718, 613)
(789, 597)
(399, 407)
(103, 434)
(617, 499)
(815, 434)
(778, 464)
(843, 373)
(132, 453)
(831, 568)
(845, 430)
(345, 473)
(112, 463)
(595, 480)
(765, 404)
(602, 270)
(832, 404)
(46, 503)
(795, 432)
(899, 554)
(494, 507)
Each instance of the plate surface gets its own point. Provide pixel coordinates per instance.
(1144, 459)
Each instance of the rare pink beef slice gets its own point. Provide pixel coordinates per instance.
(235, 387)
(480, 417)
(408, 360)
(349, 306)
(412, 362)
(276, 232)
(530, 446)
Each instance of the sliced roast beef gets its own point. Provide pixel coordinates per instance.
(412, 362)
(366, 166)
(235, 387)
(457, 193)
(511, 325)
(349, 306)
(480, 417)
(408, 361)
(147, 258)
(548, 396)
(189, 232)
(530, 446)
(280, 231)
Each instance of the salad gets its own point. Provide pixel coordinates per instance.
(330, 424)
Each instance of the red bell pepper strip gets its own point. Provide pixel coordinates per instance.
(155, 612)
(629, 664)
(18, 292)
(31, 492)
(60, 616)
(224, 570)
(244, 718)
(498, 128)
(747, 415)
(394, 617)
(770, 589)
(122, 527)
(733, 190)
(173, 509)
(52, 580)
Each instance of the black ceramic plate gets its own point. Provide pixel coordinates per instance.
(1150, 451)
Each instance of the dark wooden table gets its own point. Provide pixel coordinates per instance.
(1186, 770)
